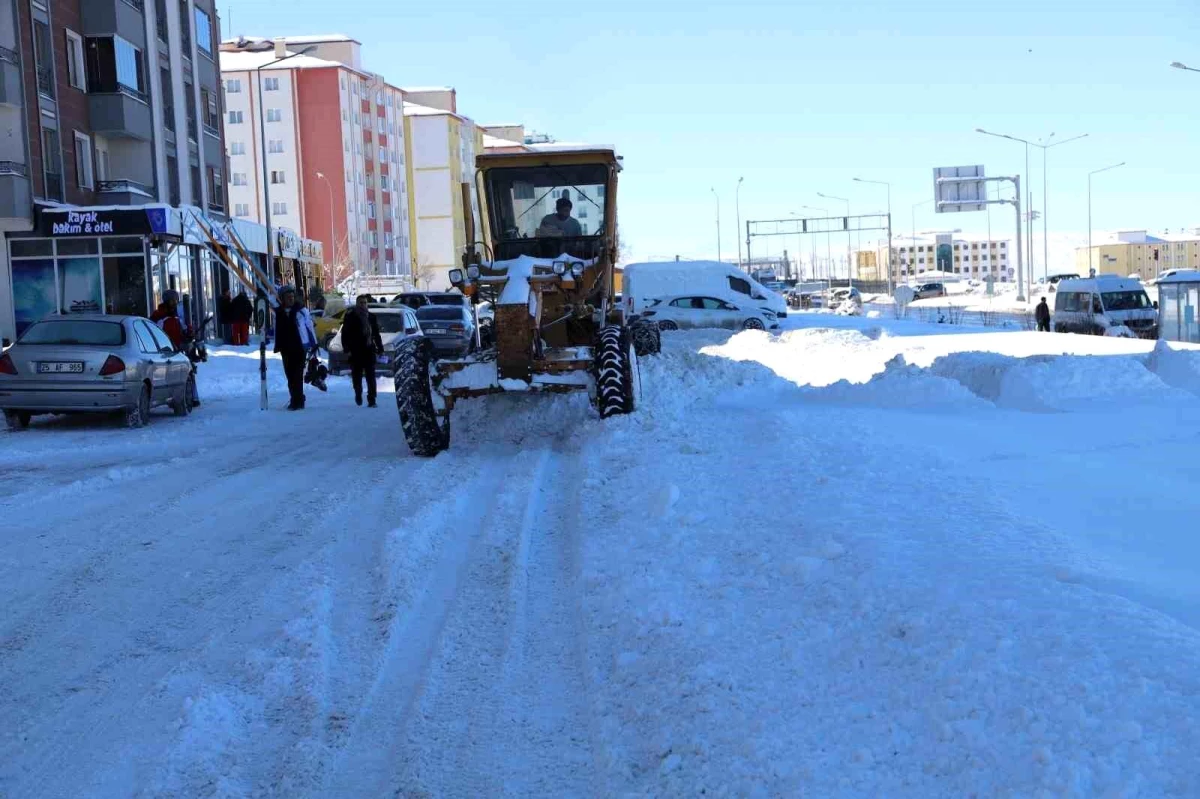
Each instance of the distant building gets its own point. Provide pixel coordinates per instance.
(336, 149)
(972, 259)
(1137, 252)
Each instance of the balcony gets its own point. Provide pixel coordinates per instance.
(124, 192)
(45, 82)
(122, 114)
(54, 187)
(10, 78)
(16, 197)
(124, 18)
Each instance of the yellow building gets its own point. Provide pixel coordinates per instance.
(1135, 252)
(442, 145)
(866, 265)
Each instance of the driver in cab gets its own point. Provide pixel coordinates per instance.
(560, 223)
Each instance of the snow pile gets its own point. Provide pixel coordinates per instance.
(1177, 368)
(903, 386)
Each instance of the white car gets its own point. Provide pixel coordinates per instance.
(690, 311)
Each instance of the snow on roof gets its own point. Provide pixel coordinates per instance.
(1181, 276)
(319, 38)
(244, 61)
(417, 110)
(495, 141)
(426, 89)
(1100, 283)
(562, 146)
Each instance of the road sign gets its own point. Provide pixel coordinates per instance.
(954, 191)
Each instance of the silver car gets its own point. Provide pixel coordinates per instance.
(682, 313)
(93, 364)
(449, 328)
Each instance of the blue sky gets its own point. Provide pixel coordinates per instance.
(800, 97)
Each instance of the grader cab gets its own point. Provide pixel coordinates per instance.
(547, 272)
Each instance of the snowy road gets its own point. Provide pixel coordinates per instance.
(805, 567)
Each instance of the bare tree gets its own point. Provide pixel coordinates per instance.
(341, 265)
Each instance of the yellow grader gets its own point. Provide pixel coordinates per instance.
(547, 273)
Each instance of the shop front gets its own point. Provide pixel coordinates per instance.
(120, 260)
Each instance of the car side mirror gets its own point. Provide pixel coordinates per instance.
(1156, 305)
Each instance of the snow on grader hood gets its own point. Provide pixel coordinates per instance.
(547, 270)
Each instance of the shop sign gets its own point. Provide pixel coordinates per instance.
(112, 222)
(288, 244)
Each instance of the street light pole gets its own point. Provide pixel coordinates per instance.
(1045, 145)
(828, 244)
(1178, 65)
(849, 269)
(718, 197)
(889, 230)
(1095, 172)
(737, 199)
(332, 228)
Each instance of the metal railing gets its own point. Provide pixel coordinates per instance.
(123, 187)
(138, 4)
(45, 82)
(211, 128)
(54, 186)
(14, 168)
(10, 56)
(140, 96)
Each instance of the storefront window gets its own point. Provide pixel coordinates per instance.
(79, 285)
(33, 290)
(125, 285)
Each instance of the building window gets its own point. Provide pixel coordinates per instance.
(583, 212)
(115, 65)
(203, 32)
(236, 117)
(239, 179)
(274, 115)
(208, 107)
(197, 189)
(241, 209)
(278, 177)
(233, 86)
(270, 84)
(76, 73)
(278, 209)
(84, 177)
(216, 188)
(275, 146)
(237, 148)
(370, 210)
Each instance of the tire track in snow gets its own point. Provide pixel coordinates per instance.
(501, 713)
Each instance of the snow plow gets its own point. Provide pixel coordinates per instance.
(547, 271)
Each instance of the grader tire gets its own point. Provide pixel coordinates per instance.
(426, 433)
(647, 340)
(614, 379)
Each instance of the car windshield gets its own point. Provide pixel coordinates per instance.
(445, 299)
(390, 322)
(431, 312)
(75, 331)
(1125, 300)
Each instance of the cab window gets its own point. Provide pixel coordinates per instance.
(739, 285)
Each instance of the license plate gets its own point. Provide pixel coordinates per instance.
(435, 330)
(60, 367)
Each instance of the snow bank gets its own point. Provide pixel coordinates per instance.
(1177, 368)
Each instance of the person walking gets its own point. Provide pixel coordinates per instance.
(362, 342)
(295, 338)
(1042, 316)
(225, 315)
(241, 312)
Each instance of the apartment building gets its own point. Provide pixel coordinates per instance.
(103, 103)
(334, 165)
(976, 259)
(443, 146)
(1138, 252)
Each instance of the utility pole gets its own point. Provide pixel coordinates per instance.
(1095, 172)
(737, 200)
(718, 198)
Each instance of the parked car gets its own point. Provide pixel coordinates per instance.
(1095, 305)
(843, 295)
(396, 323)
(450, 329)
(93, 364)
(641, 283)
(419, 299)
(927, 290)
(682, 313)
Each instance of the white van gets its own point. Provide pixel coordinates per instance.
(1093, 305)
(645, 282)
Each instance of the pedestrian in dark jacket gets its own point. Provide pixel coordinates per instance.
(362, 342)
(295, 338)
(1042, 315)
(241, 312)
